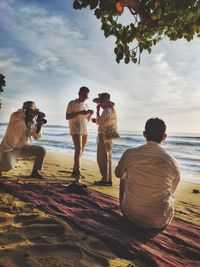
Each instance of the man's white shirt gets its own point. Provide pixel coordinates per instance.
(78, 125)
(18, 134)
(152, 176)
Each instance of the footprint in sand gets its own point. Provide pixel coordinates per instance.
(45, 167)
(52, 164)
(63, 171)
(33, 238)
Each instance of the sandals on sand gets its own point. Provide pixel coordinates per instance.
(36, 174)
(77, 175)
(103, 183)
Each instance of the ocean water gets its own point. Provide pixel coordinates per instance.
(186, 149)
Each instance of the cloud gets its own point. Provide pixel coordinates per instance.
(47, 54)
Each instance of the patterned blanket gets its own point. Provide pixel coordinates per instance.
(99, 215)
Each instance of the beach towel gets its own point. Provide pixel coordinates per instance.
(99, 215)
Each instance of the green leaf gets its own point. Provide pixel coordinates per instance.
(76, 5)
(149, 49)
(120, 55)
(134, 60)
(133, 28)
(97, 13)
(127, 59)
(118, 60)
(133, 54)
(174, 18)
(84, 3)
(93, 4)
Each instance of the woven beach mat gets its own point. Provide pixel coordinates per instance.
(99, 215)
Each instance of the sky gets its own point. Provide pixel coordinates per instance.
(48, 51)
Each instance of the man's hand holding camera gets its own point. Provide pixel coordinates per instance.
(40, 118)
(94, 120)
(40, 121)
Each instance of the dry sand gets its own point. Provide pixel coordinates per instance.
(29, 237)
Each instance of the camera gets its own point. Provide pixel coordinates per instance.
(40, 118)
(96, 101)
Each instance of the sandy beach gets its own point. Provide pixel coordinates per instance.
(31, 237)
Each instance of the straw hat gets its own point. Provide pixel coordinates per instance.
(102, 98)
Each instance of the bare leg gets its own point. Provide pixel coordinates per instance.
(108, 146)
(77, 139)
(102, 158)
(84, 141)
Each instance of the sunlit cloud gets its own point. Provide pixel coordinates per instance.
(48, 54)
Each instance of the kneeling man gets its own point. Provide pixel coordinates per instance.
(23, 125)
(148, 179)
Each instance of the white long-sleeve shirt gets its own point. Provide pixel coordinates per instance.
(18, 134)
(152, 176)
(107, 118)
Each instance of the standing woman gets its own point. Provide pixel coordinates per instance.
(107, 131)
(78, 114)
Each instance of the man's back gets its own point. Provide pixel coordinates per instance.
(152, 176)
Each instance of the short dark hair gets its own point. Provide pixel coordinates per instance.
(83, 89)
(155, 129)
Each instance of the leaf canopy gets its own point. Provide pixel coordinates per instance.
(151, 21)
(2, 83)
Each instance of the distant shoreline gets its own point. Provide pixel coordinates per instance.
(185, 149)
(135, 132)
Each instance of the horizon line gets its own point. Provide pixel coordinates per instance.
(137, 132)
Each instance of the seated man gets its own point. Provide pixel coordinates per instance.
(149, 177)
(17, 140)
